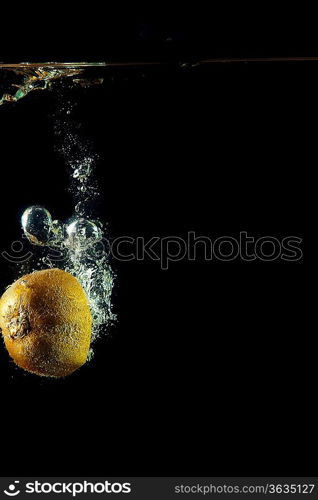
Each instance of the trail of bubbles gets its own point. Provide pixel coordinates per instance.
(78, 242)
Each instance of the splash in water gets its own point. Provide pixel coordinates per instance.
(40, 76)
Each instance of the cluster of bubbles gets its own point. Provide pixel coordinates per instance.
(80, 158)
(82, 253)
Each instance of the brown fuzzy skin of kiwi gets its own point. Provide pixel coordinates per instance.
(46, 323)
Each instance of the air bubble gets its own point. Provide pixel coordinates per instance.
(82, 233)
(36, 223)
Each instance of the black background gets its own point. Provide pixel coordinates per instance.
(210, 368)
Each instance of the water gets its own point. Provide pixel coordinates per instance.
(77, 245)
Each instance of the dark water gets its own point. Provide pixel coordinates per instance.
(204, 352)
